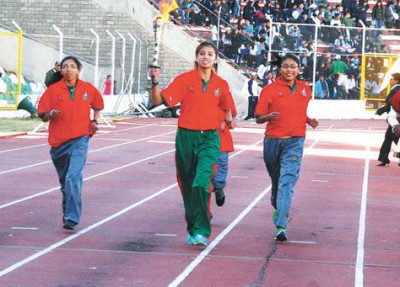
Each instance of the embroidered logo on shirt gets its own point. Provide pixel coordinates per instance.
(191, 88)
(304, 92)
(85, 96)
(280, 94)
(217, 92)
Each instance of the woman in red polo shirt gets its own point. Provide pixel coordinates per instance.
(283, 105)
(67, 105)
(202, 94)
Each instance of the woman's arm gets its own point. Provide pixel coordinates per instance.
(155, 90)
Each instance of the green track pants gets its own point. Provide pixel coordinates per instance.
(196, 158)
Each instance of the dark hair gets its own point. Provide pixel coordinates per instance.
(77, 62)
(396, 77)
(205, 44)
(289, 56)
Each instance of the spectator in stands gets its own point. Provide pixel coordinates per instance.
(248, 11)
(237, 42)
(259, 16)
(254, 91)
(305, 67)
(322, 88)
(263, 26)
(260, 51)
(67, 106)
(397, 12)
(225, 12)
(356, 43)
(226, 42)
(389, 15)
(334, 89)
(268, 78)
(348, 21)
(338, 66)
(51, 72)
(303, 49)
(339, 45)
(262, 34)
(236, 9)
(321, 69)
(336, 11)
(186, 9)
(249, 29)
(278, 14)
(346, 6)
(312, 11)
(355, 62)
(363, 14)
(378, 16)
(336, 21)
(199, 13)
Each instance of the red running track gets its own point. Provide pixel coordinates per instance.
(343, 228)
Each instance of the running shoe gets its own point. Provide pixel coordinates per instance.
(191, 240)
(219, 197)
(281, 234)
(200, 240)
(69, 225)
(275, 216)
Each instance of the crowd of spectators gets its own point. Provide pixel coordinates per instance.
(244, 36)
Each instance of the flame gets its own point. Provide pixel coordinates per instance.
(166, 7)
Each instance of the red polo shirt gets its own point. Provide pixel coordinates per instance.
(290, 103)
(200, 102)
(225, 135)
(74, 118)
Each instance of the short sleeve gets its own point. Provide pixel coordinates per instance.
(44, 102)
(174, 92)
(225, 98)
(262, 107)
(98, 102)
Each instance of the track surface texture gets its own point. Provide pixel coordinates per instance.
(343, 229)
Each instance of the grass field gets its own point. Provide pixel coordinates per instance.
(13, 125)
(18, 124)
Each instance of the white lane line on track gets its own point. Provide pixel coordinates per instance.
(86, 230)
(39, 145)
(85, 179)
(359, 276)
(302, 242)
(319, 180)
(90, 151)
(167, 235)
(24, 228)
(21, 148)
(221, 236)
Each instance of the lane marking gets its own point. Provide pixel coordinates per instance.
(85, 179)
(302, 242)
(90, 151)
(359, 276)
(156, 172)
(80, 233)
(167, 235)
(46, 144)
(319, 180)
(239, 176)
(21, 148)
(221, 236)
(24, 228)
